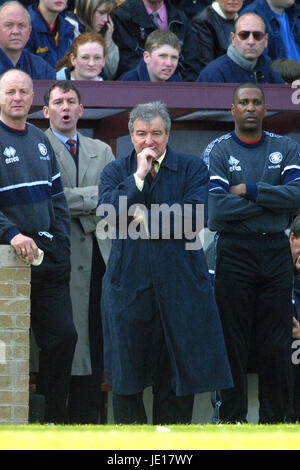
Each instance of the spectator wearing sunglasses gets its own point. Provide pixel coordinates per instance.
(282, 18)
(245, 60)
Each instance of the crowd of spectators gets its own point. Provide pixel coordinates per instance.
(39, 40)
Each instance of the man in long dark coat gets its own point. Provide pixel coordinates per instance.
(160, 322)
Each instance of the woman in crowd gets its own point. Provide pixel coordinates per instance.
(84, 60)
(95, 16)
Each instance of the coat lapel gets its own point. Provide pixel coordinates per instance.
(85, 158)
(64, 159)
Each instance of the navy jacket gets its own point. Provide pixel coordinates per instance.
(140, 74)
(35, 66)
(133, 25)
(224, 70)
(148, 281)
(43, 43)
(275, 48)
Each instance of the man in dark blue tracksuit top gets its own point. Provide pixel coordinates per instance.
(254, 191)
(34, 214)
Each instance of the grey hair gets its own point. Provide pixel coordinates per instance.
(148, 111)
(15, 2)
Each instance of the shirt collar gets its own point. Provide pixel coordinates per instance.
(162, 11)
(7, 63)
(218, 9)
(160, 159)
(63, 139)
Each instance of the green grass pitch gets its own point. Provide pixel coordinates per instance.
(110, 437)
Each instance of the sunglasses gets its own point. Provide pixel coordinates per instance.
(258, 35)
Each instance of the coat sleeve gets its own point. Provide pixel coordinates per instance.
(117, 192)
(8, 228)
(82, 201)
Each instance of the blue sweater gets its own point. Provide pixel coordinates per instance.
(140, 74)
(35, 66)
(224, 70)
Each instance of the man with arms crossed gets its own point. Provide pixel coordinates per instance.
(254, 191)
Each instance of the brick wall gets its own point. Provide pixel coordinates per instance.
(14, 337)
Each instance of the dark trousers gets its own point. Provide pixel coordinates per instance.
(86, 399)
(167, 407)
(253, 289)
(53, 327)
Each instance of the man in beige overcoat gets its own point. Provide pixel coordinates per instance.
(81, 161)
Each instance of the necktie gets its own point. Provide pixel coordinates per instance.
(154, 15)
(72, 145)
(154, 168)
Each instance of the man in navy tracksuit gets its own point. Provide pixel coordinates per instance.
(34, 214)
(254, 191)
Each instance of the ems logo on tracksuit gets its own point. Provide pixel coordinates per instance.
(234, 164)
